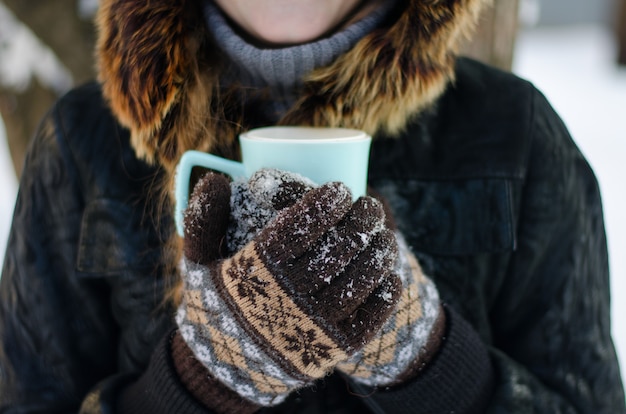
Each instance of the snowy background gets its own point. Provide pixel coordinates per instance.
(574, 65)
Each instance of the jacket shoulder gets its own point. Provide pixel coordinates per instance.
(480, 127)
(494, 111)
(99, 146)
(470, 155)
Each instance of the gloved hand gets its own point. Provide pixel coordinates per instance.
(412, 333)
(309, 290)
(410, 337)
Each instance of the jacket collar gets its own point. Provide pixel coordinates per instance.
(159, 70)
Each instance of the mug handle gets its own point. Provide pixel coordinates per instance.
(188, 161)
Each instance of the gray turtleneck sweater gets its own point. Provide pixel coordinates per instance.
(280, 71)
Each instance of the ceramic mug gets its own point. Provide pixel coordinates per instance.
(320, 154)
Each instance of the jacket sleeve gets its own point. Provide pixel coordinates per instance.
(71, 334)
(47, 331)
(547, 341)
(552, 347)
(458, 379)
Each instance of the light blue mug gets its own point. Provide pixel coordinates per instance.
(320, 154)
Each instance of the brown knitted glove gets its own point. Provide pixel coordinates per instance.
(413, 333)
(309, 290)
(410, 337)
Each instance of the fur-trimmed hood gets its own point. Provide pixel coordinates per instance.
(160, 74)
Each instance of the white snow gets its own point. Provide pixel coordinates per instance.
(8, 189)
(574, 67)
(17, 67)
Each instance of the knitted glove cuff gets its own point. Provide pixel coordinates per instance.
(219, 342)
(202, 385)
(409, 337)
(459, 378)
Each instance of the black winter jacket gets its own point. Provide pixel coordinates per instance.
(495, 199)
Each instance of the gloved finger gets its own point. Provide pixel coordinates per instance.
(333, 253)
(366, 320)
(277, 189)
(297, 228)
(389, 218)
(247, 218)
(206, 218)
(352, 289)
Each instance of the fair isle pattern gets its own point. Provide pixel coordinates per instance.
(209, 329)
(404, 335)
(303, 350)
(269, 310)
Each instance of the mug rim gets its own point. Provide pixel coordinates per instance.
(349, 134)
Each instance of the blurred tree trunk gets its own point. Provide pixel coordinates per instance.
(21, 113)
(621, 31)
(494, 40)
(58, 25)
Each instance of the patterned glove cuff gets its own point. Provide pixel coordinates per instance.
(227, 351)
(427, 352)
(262, 346)
(459, 378)
(202, 385)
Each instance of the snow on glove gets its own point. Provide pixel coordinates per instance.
(410, 336)
(256, 201)
(309, 290)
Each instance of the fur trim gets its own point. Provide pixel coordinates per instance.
(159, 70)
(389, 76)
